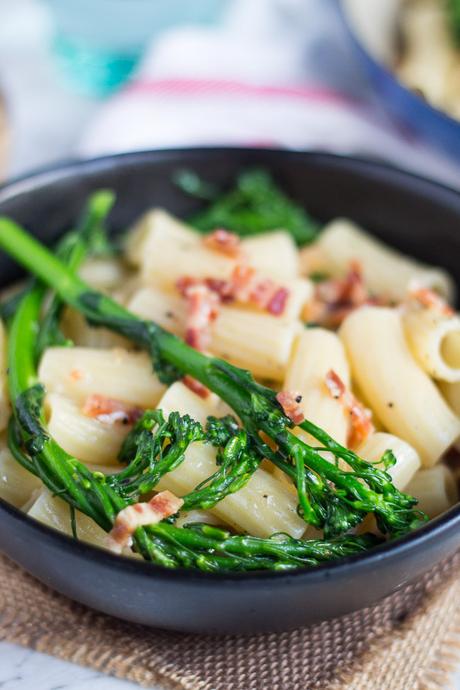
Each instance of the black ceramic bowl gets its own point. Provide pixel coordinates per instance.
(417, 216)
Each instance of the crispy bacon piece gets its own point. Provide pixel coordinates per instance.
(224, 242)
(290, 402)
(431, 300)
(277, 304)
(334, 299)
(360, 417)
(243, 286)
(196, 386)
(110, 411)
(247, 288)
(130, 518)
(335, 385)
(202, 309)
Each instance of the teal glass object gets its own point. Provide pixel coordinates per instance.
(98, 43)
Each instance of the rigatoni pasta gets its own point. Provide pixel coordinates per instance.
(407, 458)
(263, 507)
(16, 484)
(52, 511)
(435, 489)
(94, 441)
(385, 271)
(251, 405)
(434, 338)
(78, 372)
(405, 399)
(235, 335)
(316, 351)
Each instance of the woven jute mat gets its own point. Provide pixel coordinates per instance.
(410, 641)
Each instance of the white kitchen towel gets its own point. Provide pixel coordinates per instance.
(276, 74)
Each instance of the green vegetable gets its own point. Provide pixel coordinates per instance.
(453, 15)
(201, 547)
(255, 205)
(156, 446)
(329, 498)
(89, 238)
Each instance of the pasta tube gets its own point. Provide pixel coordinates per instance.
(87, 438)
(386, 272)
(262, 507)
(103, 274)
(54, 512)
(316, 351)
(16, 484)
(405, 399)
(79, 372)
(171, 250)
(435, 489)
(75, 327)
(235, 334)
(435, 341)
(407, 459)
(273, 254)
(451, 392)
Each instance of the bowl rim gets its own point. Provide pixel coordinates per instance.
(368, 560)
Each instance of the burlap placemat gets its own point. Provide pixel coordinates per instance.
(408, 642)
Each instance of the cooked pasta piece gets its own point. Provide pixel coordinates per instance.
(435, 488)
(300, 293)
(197, 516)
(434, 339)
(258, 342)
(313, 260)
(387, 273)
(405, 399)
(170, 250)
(151, 222)
(4, 402)
(87, 438)
(16, 484)
(407, 459)
(104, 274)
(165, 308)
(273, 254)
(75, 327)
(79, 372)
(54, 512)
(316, 351)
(263, 506)
(235, 334)
(451, 392)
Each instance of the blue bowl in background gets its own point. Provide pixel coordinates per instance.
(406, 107)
